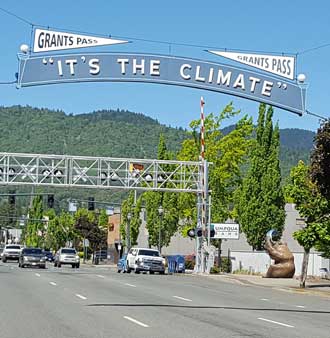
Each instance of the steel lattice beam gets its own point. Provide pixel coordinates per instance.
(99, 172)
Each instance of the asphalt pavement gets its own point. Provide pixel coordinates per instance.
(97, 302)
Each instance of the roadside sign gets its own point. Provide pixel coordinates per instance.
(226, 230)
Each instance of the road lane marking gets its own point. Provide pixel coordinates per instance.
(265, 299)
(133, 286)
(181, 298)
(100, 276)
(52, 283)
(80, 296)
(37, 274)
(300, 306)
(136, 321)
(272, 321)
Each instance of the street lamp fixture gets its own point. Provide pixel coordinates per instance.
(160, 212)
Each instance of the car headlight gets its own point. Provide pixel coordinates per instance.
(25, 258)
(42, 259)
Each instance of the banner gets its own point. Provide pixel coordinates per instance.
(280, 65)
(162, 69)
(46, 40)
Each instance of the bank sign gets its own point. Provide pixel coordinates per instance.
(161, 69)
(226, 230)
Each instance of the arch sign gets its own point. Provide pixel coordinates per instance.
(162, 69)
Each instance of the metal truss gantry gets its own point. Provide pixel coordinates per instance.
(99, 172)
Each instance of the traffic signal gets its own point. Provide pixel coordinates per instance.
(192, 232)
(50, 201)
(91, 204)
(12, 197)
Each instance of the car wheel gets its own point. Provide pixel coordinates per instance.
(4, 260)
(78, 265)
(151, 272)
(58, 264)
(162, 273)
(137, 271)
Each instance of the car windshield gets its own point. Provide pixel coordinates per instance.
(32, 251)
(68, 251)
(15, 247)
(149, 253)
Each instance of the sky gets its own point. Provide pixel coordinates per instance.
(274, 26)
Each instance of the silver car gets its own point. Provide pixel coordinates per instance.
(67, 256)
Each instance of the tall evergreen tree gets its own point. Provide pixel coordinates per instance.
(35, 226)
(260, 201)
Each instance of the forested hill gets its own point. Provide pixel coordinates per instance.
(111, 133)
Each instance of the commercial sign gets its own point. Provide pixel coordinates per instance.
(170, 70)
(226, 230)
(280, 65)
(47, 40)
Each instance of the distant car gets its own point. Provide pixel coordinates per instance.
(32, 257)
(11, 252)
(101, 255)
(122, 264)
(324, 273)
(67, 256)
(49, 256)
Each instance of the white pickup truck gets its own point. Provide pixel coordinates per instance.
(11, 252)
(144, 259)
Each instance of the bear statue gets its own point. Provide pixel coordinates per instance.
(284, 261)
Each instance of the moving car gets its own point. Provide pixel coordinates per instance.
(48, 255)
(67, 256)
(11, 252)
(121, 265)
(32, 257)
(145, 259)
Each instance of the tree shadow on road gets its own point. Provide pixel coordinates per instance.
(200, 307)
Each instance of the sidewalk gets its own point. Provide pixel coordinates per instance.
(313, 286)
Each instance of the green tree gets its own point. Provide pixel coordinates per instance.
(320, 160)
(161, 227)
(312, 206)
(129, 206)
(34, 236)
(227, 152)
(260, 201)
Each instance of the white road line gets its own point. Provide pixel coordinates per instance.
(300, 306)
(100, 276)
(38, 275)
(52, 283)
(181, 298)
(136, 321)
(80, 296)
(278, 323)
(133, 286)
(265, 299)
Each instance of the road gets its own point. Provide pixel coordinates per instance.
(97, 302)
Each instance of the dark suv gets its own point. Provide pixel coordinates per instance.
(32, 257)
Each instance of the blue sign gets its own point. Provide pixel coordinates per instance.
(170, 70)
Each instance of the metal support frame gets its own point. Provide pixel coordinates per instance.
(98, 172)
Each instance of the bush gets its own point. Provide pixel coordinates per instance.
(215, 269)
(189, 264)
(225, 265)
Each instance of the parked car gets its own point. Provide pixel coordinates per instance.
(121, 265)
(145, 259)
(324, 273)
(49, 256)
(11, 252)
(67, 256)
(32, 257)
(1, 252)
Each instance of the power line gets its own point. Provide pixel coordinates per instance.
(16, 16)
(316, 115)
(313, 49)
(7, 83)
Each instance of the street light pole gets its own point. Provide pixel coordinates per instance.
(128, 232)
(160, 211)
